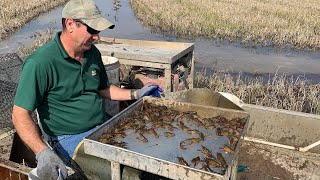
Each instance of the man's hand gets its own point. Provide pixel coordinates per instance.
(151, 89)
(49, 164)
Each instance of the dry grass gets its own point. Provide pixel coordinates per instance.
(280, 23)
(15, 14)
(40, 39)
(280, 91)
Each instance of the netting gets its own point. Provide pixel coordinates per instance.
(7, 90)
(10, 67)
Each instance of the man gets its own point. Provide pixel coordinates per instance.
(65, 81)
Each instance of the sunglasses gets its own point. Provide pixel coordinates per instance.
(89, 29)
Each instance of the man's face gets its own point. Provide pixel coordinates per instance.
(84, 36)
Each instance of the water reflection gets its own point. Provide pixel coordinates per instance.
(209, 54)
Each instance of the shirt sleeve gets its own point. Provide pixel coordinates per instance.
(32, 86)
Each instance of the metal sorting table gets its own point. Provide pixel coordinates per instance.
(152, 54)
(158, 156)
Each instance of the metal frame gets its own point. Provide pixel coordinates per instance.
(154, 165)
(153, 54)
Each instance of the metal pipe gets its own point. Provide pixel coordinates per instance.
(251, 139)
(307, 148)
(115, 171)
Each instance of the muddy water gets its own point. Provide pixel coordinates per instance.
(209, 55)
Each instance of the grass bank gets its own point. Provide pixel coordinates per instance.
(280, 91)
(15, 14)
(40, 39)
(281, 23)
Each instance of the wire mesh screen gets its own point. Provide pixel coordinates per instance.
(7, 90)
(10, 67)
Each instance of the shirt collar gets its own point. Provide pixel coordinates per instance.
(58, 41)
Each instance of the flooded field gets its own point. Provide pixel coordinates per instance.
(210, 55)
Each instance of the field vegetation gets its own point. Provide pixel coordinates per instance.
(15, 14)
(222, 19)
(278, 23)
(280, 91)
(40, 39)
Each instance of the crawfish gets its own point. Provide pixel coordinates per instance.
(206, 168)
(221, 160)
(201, 136)
(177, 117)
(191, 112)
(120, 135)
(197, 121)
(218, 131)
(192, 131)
(157, 125)
(183, 126)
(233, 140)
(182, 161)
(153, 133)
(212, 162)
(211, 127)
(221, 132)
(142, 138)
(227, 149)
(206, 151)
(128, 125)
(146, 117)
(167, 118)
(168, 127)
(183, 145)
(118, 130)
(225, 133)
(191, 141)
(236, 132)
(169, 134)
(107, 136)
(195, 161)
(120, 144)
(106, 141)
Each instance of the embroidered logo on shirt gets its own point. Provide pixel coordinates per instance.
(93, 72)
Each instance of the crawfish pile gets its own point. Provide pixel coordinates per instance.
(190, 131)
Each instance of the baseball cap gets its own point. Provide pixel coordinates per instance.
(88, 12)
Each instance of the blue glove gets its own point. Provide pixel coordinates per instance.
(149, 90)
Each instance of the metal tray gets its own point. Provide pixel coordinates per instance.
(158, 156)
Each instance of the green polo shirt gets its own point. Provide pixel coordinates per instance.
(64, 92)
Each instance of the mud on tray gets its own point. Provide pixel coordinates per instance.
(181, 137)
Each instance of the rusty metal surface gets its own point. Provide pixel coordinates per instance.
(158, 163)
(9, 169)
(8, 174)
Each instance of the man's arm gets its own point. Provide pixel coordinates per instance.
(115, 93)
(27, 129)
